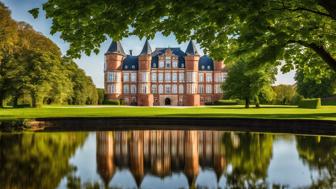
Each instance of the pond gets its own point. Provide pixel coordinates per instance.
(152, 159)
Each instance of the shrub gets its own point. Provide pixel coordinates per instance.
(313, 103)
(22, 106)
(223, 102)
(112, 102)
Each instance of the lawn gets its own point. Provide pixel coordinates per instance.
(266, 112)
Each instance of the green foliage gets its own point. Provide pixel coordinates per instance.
(111, 102)
(101, 94)
(268, 31)
(310, 86)
(314, 103)
(245, 82)
(284, 94)
(33, 67)
(225, 102)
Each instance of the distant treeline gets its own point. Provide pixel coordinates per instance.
(33, 71)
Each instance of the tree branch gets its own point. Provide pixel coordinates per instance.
(320, 50)
(284, 8)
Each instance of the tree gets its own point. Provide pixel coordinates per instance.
(284, 93)
(263, 30)
(315, 87)
(247, 83)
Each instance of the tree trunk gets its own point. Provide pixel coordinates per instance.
(15, 100)
(2, 100)
(330, 6)
(319, 50)
(257, 103)
(33, 97)
(247, 102)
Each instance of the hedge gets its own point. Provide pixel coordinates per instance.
(111, 102)
(223, 102)
(313, 103)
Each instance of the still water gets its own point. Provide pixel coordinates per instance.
(159, 159)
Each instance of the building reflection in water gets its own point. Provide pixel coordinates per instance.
(159, 153)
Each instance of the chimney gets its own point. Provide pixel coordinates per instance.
(131, 52)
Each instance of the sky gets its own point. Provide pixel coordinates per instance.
(94, 64)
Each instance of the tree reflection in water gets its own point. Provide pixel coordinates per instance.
(319, 153)
(36, 160)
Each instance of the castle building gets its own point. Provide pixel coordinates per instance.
(165, 76)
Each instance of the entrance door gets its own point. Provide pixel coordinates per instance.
(167, 101)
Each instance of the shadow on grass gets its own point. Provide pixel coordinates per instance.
(251, 107)
(259, 116)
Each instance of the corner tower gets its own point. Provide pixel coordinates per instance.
(113, 67)
(145, 98)
(191, 65)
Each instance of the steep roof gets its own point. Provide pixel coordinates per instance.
(176, 51)
(130, 63)
(116, 47)
(191, 49)
(146, 48)
(205, 63)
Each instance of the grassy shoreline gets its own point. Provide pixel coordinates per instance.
(266, 112)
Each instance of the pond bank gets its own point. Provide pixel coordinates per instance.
(296, 126)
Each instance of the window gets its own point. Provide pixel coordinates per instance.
(144, 76)
(208, 89)
(174, 89)
(191, 89)
(133, 67)
(161, 77)
(208, 77)
(113, 76)
(191, 76)
(126, 77)
(167, 76)
(154, 65)
(167, 89)
(161, 64)
(126, 67)
(154, 77)
(181, 77)
(160, 89)
(112, 89)
(202, 67)
(174, 77)
(154, 89)
(133, 89)
(208, 67)
(201, 77)
(133, 77)
(218, 89)
(126, 89)
(175, 65)
(144, 89)
(182, 65)
(181, 89)
(200, 89)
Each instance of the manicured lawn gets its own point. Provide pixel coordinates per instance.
(266, 112)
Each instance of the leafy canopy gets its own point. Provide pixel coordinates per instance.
(262, 30)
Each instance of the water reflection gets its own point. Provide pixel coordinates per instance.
(152, 159)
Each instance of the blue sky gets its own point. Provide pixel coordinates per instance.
(94, 64)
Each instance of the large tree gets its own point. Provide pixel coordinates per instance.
(246, 83)
(263, 30)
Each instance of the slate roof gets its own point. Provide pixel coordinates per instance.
(116, 47)
(130, 63)
(191, 48)
(146, 49)
(205, 63)
(176, 51)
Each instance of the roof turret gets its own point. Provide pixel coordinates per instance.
(116, 47)
(146, 49)
(191, 49)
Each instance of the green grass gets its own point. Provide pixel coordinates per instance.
(266, 112)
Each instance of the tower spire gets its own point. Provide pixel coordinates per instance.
(116, 47)
(191, 49)
(146, 48)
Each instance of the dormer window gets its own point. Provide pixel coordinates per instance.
(154, 65)
(182, 65)
(202, 67)
(133, 67)
(168, 62)
(126, 67)
(208, 67)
